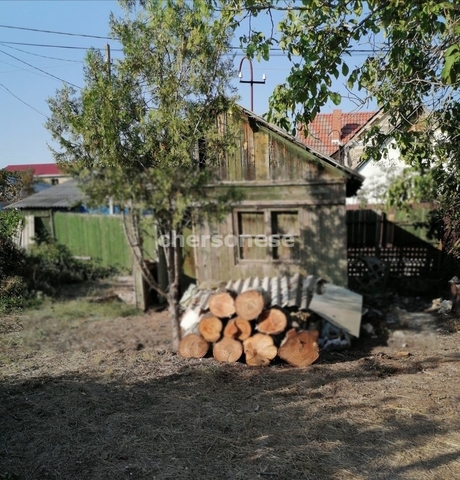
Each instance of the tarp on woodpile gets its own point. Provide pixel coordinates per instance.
(338, 305)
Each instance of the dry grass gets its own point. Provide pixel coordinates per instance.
(75, 405)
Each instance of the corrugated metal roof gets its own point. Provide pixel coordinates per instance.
(284, 291)
(64, 195)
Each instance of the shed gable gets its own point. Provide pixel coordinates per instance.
(263, 155)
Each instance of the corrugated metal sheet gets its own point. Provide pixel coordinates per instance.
(65, 195)
(337, 305)
(284, 291)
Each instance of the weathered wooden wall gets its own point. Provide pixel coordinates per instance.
(262, 155)
(276, 174)
(322, 249)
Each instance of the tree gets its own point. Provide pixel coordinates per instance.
(10, 186)
(144, 131)
(412, 69)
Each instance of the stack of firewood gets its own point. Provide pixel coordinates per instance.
(242, 324)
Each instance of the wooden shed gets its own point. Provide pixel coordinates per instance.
(293, 217)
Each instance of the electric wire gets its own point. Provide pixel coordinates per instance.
(42, 56)
(21, 100)
(40, 70)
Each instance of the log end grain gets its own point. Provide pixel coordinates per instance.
(250, 304)
(300, 349)
(193, 346)
(222, 304)
(259, 349)
(210, 328)
(227, 350)
(272, 321)
(238, 329)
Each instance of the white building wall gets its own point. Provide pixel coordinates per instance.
(378, 176)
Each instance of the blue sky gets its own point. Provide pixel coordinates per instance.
(27, 79)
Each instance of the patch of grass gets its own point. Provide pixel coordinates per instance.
(57, 325)
(81, 308)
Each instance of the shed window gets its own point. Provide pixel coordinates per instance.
(268, 235)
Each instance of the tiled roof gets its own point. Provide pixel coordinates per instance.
(327, 127)
(39, 169)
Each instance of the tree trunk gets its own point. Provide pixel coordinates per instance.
(193, 346)
(173, 292)
(210, 328)
(259, 349)
(272, 321)
(300, 349)
(222, 304)
(227, 350)
(249, 305)
(173, 308)
(238, 329)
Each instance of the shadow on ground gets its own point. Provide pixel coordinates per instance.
(151, 415)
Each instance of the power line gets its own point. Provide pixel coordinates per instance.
(39, 69)
(54, 32)
(42, 56)
(47, 45)
(278, 51)
(22, 101)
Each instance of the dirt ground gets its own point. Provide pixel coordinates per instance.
(91, 390)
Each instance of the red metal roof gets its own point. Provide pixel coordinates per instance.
(39, 169)
(338, 126)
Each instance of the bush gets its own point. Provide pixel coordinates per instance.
(44, 268)
(52, 264)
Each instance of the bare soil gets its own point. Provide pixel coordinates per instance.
(101, 396)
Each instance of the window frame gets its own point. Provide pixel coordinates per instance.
(270, 251)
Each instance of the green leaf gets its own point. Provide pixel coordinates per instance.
(335, 97)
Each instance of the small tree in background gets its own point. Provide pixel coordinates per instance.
(144, 131)
(10, 186)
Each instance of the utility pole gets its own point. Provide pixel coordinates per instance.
(251, 81)
(107, 58)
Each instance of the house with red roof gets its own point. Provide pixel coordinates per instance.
(329, 132)
(43, 172)
(341, 135)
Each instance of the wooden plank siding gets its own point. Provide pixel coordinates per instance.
(286, 189)
(261, 155)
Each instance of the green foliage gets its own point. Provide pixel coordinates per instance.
(10, 186)
(51, 264)
(412, 71)
(150, 131)
(47, 266)
(10, 221)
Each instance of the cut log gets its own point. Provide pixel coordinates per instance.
(259, 349)
(210, 328)
(238, 329)
(300, 349)
(272, 321)
(250, 304)
(227, 350)
(193, 346)
(222, 304)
